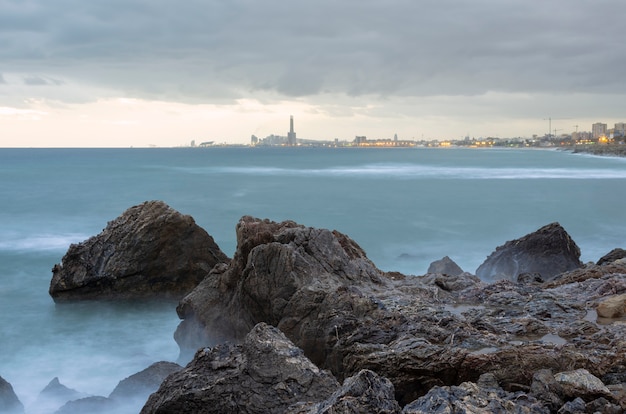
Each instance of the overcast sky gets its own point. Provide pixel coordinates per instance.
(153, 72)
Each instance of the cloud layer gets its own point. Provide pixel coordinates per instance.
(208, 51)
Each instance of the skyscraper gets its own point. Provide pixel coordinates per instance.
(291, 135)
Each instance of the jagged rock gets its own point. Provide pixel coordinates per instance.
(265, 374)
(151, 250)
(445, 266)
(613, 255)
(527, 278)
(581, 383)
(366, 392)
(319, 288)
(470, 397)
(546, 389)
(613, 307)
(139, 386)
(56, 394)
(548, 251)
(576, 406)
(9, 403)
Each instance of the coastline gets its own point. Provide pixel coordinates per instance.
(604, 150)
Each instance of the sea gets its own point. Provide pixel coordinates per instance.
(406, 207)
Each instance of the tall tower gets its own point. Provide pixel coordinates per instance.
(291, 135)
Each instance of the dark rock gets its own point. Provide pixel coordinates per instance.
(546, 389)
(319, 288)
(265, 374)
(139, 386)
(548, 251)
(603, 406)
(528, 278)
(9, 403)
(469, 397)
(445, 266)
(613, 255)
(151, 250)
(366, 392)
(576, 406)
(91, 405)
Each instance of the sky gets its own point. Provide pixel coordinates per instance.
(121, 73)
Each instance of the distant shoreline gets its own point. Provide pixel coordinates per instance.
(605, 150)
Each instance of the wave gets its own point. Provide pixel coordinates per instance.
(409, 171)
(43, 242)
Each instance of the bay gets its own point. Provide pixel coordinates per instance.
(405, 207)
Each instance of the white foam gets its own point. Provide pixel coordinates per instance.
(416, 171)
(43, 242)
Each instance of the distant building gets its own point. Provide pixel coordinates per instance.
(620, 129)
(291, 135)
(598, 130)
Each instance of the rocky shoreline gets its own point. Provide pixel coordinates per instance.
(301, 321)
(607, 150)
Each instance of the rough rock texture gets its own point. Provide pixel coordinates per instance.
(318, 287)
(151, 250)
(366, 392)
(613, 255)
(144, 383)
(471, 397)
(9, 403)
(548, 251)
(445, 266)
(265, 374)
(612, 307)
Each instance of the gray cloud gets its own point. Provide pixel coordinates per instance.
(215, 50)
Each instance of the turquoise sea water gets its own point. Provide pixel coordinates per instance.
(405, 207)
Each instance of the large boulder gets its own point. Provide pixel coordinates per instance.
(318, 287)
(151, 250)
(548, 252)
(265, 374)
(445, 266)
(9, 403)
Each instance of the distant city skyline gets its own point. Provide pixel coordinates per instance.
(163, 74)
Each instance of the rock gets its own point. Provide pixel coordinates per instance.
(266, 373)
(9, 403)
(151, 250)
(546, 389)
(580, 383)
(445, 266)
(469, 397)
(548, 251)
(56, 394)
(318, 287)
(613, 307)
(612, 256)
(528, 278)
(139, 386)
(365, 392)
(91, 405)
(576, 406)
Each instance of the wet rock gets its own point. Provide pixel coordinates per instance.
(445, 266)
(581, 383)
(612, 256)
(548, 251)
(151, 250)
(319, 288)
(9, 403)
(139, 386)
(470, 397)
(365, 392)
(613, 307)
(266, 373)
